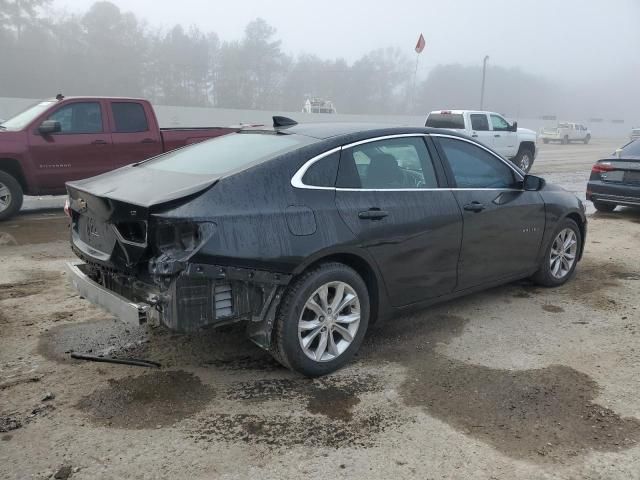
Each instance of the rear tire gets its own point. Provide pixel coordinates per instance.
(565, 140)
(545, 141)
(561, 255)
(10, 196)
(321, 339)
(604, 207)
(524, 159)
(587, 139)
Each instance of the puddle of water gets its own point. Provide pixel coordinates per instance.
(98, 337)
(34, 229)
(545, 414)
(28, 287)
(333, 397)
(147, 401)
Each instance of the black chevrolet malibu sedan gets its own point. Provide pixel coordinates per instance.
(309, 233)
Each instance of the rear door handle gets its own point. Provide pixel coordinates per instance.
(373, 214)
(474, 207)
(148, 140)
(99, 142)
(497, 135)
(475, 135)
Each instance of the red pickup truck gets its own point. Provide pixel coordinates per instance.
(71, 138)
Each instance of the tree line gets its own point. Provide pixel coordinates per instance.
(106, 51)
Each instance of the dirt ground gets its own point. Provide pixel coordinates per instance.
(514, 382)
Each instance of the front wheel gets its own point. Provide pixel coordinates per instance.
(565, 140)
(524, 159)
(10, 196)
(587, 139)
(322, 320)
(561, 256)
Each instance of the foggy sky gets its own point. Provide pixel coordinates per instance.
(568, 40)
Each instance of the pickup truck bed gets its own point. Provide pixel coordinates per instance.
(72, 138)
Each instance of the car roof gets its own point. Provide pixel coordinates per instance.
(327, 130)
(461, 112)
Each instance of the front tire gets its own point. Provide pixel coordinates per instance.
(565, 140)
(545, 141)
(561, 256)
(322, 320)
(587, 139)
(604, 207)
(10, 196)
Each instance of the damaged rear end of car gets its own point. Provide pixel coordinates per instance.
(148, 242)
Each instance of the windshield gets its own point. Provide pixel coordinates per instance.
(21, 120)
(227, 153)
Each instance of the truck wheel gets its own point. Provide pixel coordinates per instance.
(10, 196)
(524, 159)
(322, 320)
(561, 256)
(545, 140)
(604, 207)
(565, 140)
(587, 139)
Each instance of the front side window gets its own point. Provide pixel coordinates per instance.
(479, 122)
(398, 163)
(129, 117)
(82, 117)
(499, 123)
(474, 167)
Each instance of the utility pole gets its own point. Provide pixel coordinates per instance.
(484, 74)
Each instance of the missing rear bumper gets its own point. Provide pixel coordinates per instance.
(199, 296)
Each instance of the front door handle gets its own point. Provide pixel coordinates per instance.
(99, 142)
(148, 140)
(474, 207)
(497, 135)
(475, 135)
(373, 214)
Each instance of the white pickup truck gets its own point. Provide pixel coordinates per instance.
(566, 132)
(516, 144)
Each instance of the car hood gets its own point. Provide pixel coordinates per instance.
(143, 186)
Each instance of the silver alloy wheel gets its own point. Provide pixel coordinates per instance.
(329, 321)
(5, 197)
(563, 253)
(525, 161)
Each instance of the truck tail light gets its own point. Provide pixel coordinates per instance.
(67, 208)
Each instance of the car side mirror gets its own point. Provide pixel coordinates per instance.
(531, 183)
(514, 127)
(49, 126)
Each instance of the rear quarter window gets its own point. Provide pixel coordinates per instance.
(323, 172)
(445, 120)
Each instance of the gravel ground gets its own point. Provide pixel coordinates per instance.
(514, 382)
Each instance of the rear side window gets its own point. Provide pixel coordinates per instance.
(129, 117)
(474, 167)
(227, 153)
(323, 172)
(479, 122)
(398, 163)
(445, 120)
(80, 117)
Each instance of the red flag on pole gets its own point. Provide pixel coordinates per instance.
(421, 44)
